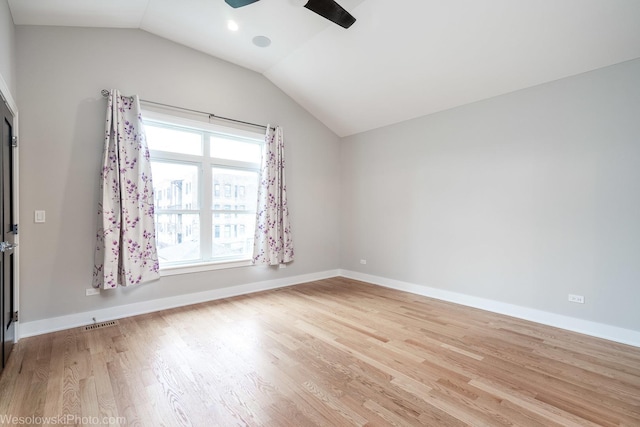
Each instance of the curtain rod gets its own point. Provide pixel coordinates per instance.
(105, 93)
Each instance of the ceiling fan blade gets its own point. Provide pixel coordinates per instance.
(331, 10)
(239, 3)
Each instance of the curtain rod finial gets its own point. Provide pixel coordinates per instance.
(104, 92)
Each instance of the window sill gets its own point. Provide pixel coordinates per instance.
(174, 270)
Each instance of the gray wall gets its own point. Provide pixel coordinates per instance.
(62, 71)
(523, 198)
(7, 47)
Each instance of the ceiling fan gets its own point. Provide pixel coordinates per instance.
(328, 9)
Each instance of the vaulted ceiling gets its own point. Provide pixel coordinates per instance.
(401, 59)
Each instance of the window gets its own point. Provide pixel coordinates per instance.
(200, 173)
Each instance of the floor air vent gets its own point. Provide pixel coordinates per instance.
(100, 325)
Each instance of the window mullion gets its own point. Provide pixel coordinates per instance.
(206, 228)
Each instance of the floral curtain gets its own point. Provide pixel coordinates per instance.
(125, 252)
(273, 244)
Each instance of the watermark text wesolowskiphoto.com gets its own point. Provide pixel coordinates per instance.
(8, 419)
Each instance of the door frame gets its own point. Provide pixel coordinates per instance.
(5, 96)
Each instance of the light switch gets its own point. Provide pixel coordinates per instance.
(39, 216)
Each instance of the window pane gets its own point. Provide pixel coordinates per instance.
(170, 184)
(178, 237)
(240, 187)
(173, 140)
(233, 149)
(233, 237)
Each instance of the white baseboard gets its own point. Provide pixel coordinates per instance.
(43, 326)
(599, 330)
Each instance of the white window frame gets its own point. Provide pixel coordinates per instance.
(205, 163)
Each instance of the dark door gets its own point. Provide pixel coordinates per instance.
(7, 230)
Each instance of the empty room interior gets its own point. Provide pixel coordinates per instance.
(301, 213)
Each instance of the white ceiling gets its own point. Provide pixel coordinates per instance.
(401, 59)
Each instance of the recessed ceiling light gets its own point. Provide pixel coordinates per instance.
(232, 25)
(261, 41)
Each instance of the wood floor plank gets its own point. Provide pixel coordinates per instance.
(334, 352)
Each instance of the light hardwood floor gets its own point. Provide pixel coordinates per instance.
(333, 352)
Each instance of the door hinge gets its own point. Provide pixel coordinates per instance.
(14, 228)
(15, 316)
(14, 141)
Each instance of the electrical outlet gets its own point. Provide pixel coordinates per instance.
(363, 261)
(576, 298)
(92, 291)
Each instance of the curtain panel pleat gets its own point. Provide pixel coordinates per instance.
(273, 242)
(125, 252)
